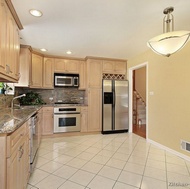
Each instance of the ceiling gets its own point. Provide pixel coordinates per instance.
(102, 28)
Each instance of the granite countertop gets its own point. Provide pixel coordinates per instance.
(11, 120)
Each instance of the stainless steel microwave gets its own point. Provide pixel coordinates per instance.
(66, 80)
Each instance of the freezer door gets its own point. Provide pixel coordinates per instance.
(107, 105)
(121, 105)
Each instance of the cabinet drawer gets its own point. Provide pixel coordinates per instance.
(14, 140)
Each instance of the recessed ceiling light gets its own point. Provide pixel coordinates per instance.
(36, 13)
(69, 52)
(44, 50)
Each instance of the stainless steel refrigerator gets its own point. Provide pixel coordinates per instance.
(115, 106)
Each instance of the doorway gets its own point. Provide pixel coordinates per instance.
(138, 99)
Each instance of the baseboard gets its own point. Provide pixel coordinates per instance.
(169, 150)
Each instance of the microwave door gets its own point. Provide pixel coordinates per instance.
(63, 81)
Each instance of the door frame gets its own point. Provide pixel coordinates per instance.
(130, 73)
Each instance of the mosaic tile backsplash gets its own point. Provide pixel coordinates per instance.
(50, 96)
(5, 100)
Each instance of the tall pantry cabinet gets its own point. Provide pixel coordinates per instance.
(94, 82)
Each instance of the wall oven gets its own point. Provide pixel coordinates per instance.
(66, 119)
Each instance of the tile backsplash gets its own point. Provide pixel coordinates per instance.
(5, 100)
(53, 95)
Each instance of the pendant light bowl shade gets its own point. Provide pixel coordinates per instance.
(169, 43)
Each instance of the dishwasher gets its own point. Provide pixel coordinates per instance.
(33, 140)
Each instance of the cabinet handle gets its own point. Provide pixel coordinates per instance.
(21, 151)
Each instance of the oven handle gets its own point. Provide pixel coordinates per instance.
(61, 113)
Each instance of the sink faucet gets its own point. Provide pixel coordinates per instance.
(12, 102)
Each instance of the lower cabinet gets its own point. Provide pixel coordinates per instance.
(47, 124)
(94, 109)
(18, 158)
(84, 119)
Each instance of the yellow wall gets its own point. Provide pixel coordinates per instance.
(169, 107)
(140, 82)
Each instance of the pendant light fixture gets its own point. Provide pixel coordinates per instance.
(170, 41)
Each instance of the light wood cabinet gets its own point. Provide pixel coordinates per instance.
(114, 67)
(47, 126)
(82, 75)
(9, 45)
(67, 66)
(94, 109)
(36, 71)
(48, 71)
(18, 158)
(84, 119)
(3, 30)
(25, 60)
(94, 73)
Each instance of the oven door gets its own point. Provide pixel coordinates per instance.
(66, 122)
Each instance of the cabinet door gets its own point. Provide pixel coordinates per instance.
(47, 127)
(82, 75)
(36, 71)
(94, 109)
(120, 67)
(94, 71)
(108, 66)
(13, 170)
(48, 73)
(59, 65)
(3, 16)
(72, 66)
(25, 60)
(10, 45)
(16, 52)
(84, 119)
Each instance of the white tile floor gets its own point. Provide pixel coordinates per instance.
(116, 161)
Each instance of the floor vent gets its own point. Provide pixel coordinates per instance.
(185, 145)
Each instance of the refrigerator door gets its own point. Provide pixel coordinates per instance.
(107, 104)
(121, 105)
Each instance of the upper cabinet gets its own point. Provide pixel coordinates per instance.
(66, 66)
(94, 73)
(48, 70)
(36, 71)
(114, 67)
(82, 75)
(24, 67)
(9, 45)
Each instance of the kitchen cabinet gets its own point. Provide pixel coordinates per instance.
(82, 75)
(84, 119)
(66, 66)
(48, 71)
(94, 73)
(25, 60)
(9, 45)
(114, 67)
(47, 126)
(94, 109)
(18, 158)
(3, 30)
(36, 71)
